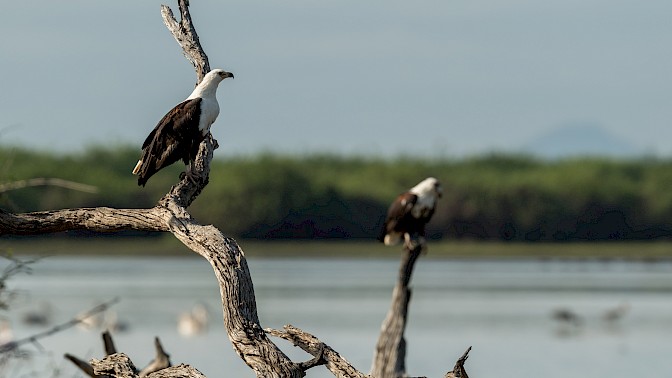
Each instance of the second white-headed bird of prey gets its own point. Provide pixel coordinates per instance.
(179, 133)
(410, 212)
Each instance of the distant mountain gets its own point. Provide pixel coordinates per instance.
(580, 140)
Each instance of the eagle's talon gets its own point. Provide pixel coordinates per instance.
(189, 175)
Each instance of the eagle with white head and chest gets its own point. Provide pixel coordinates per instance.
(179, 133)
(410, 212)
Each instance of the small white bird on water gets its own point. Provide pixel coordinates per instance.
(179, 133)
(193, 322)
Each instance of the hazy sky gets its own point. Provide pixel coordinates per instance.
(445, 77)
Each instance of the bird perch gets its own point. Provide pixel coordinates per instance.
(226, 257)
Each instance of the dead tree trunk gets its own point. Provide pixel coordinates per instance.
(389, 359)
(226, 257)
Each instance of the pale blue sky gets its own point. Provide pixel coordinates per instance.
(445, 77)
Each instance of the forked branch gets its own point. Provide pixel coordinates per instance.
(185, 34)
(335, 363)
(226, 257)
(224, 254)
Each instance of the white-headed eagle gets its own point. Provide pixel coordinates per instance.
(179, 133)
(410, 212)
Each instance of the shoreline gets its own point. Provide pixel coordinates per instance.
(166, 245)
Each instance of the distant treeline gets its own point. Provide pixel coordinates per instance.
(494, 197)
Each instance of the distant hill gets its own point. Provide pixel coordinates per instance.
(580, 140)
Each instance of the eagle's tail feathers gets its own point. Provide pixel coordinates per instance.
(137, 167)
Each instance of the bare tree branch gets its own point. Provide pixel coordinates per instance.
(9, 347)
(108, 344)
(160, 362)
(185, 34)
(225, 256)
(237, 294)
(84, 366)
(101, 219)
(14, 267)
(116, 365)
(120, 366)
(336, 364)
(186, 191)
(459, 371)
(389, 359)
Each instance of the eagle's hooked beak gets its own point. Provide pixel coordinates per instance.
(228, 74)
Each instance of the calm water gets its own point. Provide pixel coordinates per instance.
(501, 308)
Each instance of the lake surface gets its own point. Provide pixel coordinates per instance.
(502, 308)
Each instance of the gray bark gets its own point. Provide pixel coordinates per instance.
(101, 219)
(185, 35)
(333, 361)
(459, 371)
(389, 359)
(160, 362)
(118, 365)
(226, 257)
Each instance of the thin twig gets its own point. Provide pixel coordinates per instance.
(15, 267)
(108, 344)
(459, 371)
(185, 34)
(84, 366)
(5, 348)
(160, 361)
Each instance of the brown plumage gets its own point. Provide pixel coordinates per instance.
(179, 133)
(410, 212)
(175, 137)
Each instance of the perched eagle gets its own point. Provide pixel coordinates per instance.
(179, 133)
(410, 212)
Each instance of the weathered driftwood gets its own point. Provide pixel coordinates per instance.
(160, 361)
(84, 366)
(226, 257)
(333, 361)
(459, 371)
(389, 359)
(108, 344)
(120, 366)
(185, 35)
(100, 369)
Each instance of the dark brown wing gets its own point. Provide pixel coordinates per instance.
(171, 140)
(398, 214)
